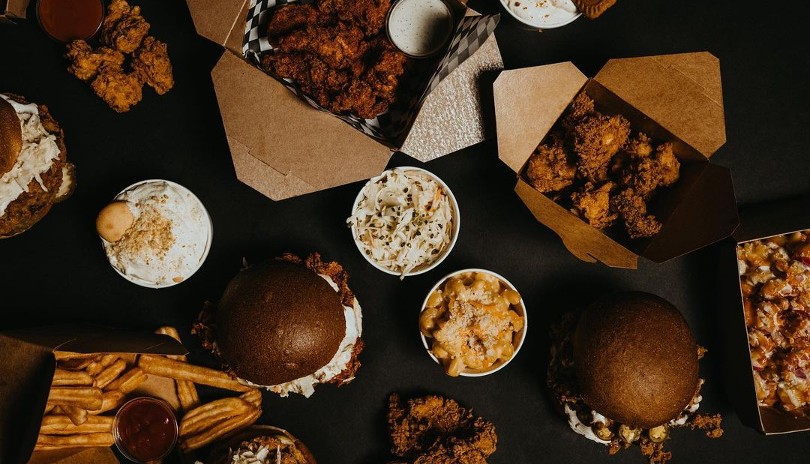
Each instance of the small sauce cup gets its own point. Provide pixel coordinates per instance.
(67, 20)
(145, 429)
(420, 28)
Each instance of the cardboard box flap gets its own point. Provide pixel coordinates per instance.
(766, 219)
(285, 135)
(682, 92)
(521, 127)
(215, 19)
(93, 339)
(706, 213)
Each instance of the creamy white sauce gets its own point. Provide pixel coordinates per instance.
(543, 13)
(39, 151)
(191, 228)
(420, 27)
(306, 385)
(583, 429)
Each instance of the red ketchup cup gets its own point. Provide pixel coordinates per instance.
(67, 20)
(145, 429)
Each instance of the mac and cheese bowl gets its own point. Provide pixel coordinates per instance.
(473, 322)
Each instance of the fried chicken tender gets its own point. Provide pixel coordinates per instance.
(85, 62)
(119, 90)
(123, 27)
(596, 139)
(339, 46)
(633, 210)
(290, 17)
(549, 169)
(152, 66)
(593, 204)
(436, 430)
(369, 15)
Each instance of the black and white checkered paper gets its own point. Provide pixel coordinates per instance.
(391, 127)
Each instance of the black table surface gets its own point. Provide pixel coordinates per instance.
(57, 272)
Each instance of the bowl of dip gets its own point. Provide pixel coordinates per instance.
(145, 429)
(67, 20)
(542, 14)
(420, 28)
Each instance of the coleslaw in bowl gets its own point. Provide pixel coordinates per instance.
(405, 221)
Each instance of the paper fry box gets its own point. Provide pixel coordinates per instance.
(675, 98)
(758, 221)
(12, 9)
(27, 370)
(284, 145)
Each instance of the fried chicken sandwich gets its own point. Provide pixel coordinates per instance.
(286, 325)
(34, 172)
(625, 372)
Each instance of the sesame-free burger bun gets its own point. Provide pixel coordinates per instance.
(10, 136)
(635, 358)
(278, 321)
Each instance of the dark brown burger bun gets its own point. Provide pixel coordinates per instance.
(635, 359)
(277, 322)
(10, 136)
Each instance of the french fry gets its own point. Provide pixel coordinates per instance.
(108, 359)
(212, 414)
(94, 368)
(76, 414)
(109, 373)
(63, 425)
(75, 364)
(186, 390)
(63, 377)
(84, 440)
(68, 355)
(164, 367)
(253, 397)
(223, 428)
(84, 397)
(110, 400)
(128, 382)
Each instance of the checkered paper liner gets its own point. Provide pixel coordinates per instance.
(389, 128)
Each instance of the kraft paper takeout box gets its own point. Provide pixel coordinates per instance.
(26, 372)
(283, 147)
(757, 221)
(675, 98)
(12, 9)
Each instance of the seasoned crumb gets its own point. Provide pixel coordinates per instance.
(710, 423)
(151, 233)
(654, 452)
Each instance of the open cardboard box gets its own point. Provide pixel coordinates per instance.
(757, 222)
(12, 9)
(25, 379)
(284, 147)
(675, 98)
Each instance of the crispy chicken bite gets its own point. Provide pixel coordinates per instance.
(593, 204)
(152, 66)
(596, 139)
(549, 169)
(645, 174)
(119, 90)
(123, 27)
(581, 106)
(436, 430)
(633, 210)
(85, 62)
(369, 15)
(290, 17)
(339, 46)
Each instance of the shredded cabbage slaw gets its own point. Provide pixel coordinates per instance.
(403, 220)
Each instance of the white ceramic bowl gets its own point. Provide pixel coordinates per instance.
(517, 338)
(170, 283)
(523, 21)
(447, 249)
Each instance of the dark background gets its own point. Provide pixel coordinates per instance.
(57, 271)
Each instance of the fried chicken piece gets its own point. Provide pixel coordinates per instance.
(639, 146)
(549, 169)
(593, 205)
(633, 211)
(123, 27)
(119, 90)
(339, 47)
(581, 106)
(369, 15)
(152, 65)
(376, 90)
(85, 62)
(645, 174)
(436, 430)
(315, 78)
(290, 17)
(596, 139)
